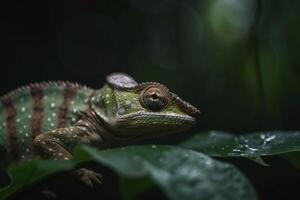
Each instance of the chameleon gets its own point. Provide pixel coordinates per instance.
(47, 120)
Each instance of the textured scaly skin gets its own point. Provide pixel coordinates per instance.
(36, 109)
(49, 119)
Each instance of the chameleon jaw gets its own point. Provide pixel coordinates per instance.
(151, 124)
(160, 119)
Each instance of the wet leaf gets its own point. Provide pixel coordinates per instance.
(215, 143)
(180, 173)
(30, 173)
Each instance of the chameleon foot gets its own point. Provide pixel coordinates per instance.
(89, 177)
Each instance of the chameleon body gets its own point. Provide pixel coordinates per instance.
(47, 120)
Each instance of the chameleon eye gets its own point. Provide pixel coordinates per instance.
(153, 98)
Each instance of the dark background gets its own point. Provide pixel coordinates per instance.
(235, 60)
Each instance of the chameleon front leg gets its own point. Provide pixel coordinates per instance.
(59, 144)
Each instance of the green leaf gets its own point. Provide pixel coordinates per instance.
(180, 173)
(29, 173)
(215, 143)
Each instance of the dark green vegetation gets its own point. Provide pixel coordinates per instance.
(179, 172)
(237, 61)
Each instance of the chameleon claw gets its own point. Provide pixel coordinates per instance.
(97, 178)
(89, 177)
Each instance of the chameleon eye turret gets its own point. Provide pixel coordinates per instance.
(153, 98)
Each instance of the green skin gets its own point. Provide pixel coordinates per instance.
(48, 120)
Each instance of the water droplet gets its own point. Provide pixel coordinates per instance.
(236, 150)
(208, 162)
(269, 139)
(153, 146)
(262, 136)
(251, 148)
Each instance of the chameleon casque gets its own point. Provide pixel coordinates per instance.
(48, 119)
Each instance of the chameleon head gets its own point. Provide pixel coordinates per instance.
(132, 109)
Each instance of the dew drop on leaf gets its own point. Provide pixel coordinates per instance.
(262, 136)
(251, 148)
(270, 138)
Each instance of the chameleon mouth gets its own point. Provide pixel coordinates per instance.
(151, 124)
(168, 119)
